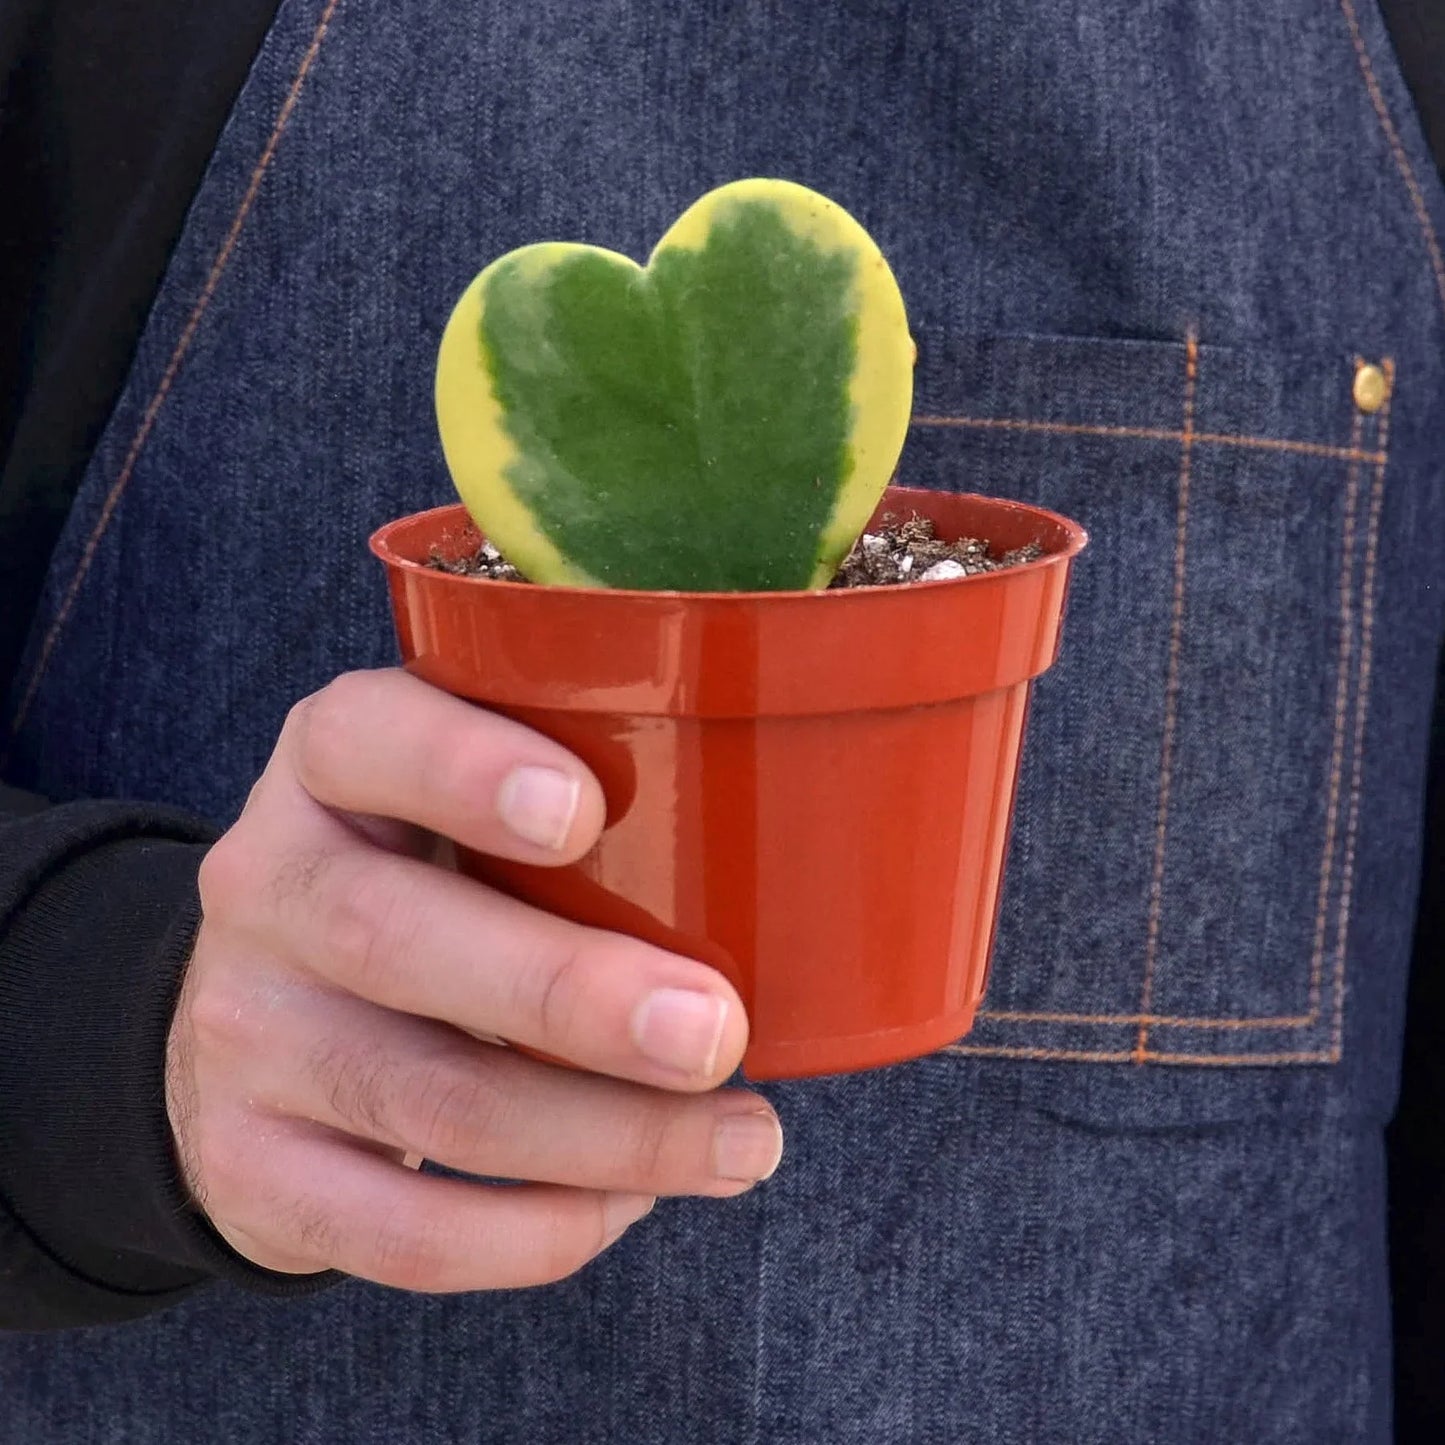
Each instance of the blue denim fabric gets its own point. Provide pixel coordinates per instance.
(1143, 247)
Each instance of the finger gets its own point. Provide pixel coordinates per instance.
(423, 1089)
(388, 745)
(418, 940)
(315, 1200)
(262, 1253)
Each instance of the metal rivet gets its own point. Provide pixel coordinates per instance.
(1372, 388)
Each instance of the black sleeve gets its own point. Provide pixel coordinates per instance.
(1417, 31)
(98, 910)
(108, 114)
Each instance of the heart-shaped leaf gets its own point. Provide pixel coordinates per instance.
(725, 418)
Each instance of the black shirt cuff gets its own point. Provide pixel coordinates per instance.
(98, 910)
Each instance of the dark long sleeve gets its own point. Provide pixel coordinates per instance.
(1417, 31)
(108, 115)
(98, 910)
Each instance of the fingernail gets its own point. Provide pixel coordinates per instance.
(621, 1211)
(539, 804)
(680, 1029)
(747, 1147)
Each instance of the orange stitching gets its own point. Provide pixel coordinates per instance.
(1147, 433)
(1276, 444)
(1284, 1021)
(1335, 1052)
(1171, 693)
(168, 377)
(1337, 741)
(1362, 709)
(1149, 1056)
(1397, 149)
(1153, 1021)
(1077, 1056)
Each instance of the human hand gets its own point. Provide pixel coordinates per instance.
(328, 1019)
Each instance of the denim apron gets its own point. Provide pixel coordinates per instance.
(1146, 251)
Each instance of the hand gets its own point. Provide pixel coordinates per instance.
(329, 1020)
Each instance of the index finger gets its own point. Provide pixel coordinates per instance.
(387, 744)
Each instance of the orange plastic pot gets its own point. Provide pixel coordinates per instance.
(810, 791)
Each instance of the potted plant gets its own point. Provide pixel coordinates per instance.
(808, 788)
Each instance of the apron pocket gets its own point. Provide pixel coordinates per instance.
(1182, 863)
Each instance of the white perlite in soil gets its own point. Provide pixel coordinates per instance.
(911, 551)
(901, 552)
(486, 561)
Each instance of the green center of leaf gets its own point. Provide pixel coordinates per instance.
(654, 410)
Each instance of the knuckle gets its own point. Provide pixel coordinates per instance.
(324, 724)
(462, 758)
(356, 1085)
(297, 714)
(227, 877)
(368, 927)
(550, 991)
(219, 1016)
(297, 876)
(650, 1145)
(407, 1251)
(449, 1112)
(308, 1229)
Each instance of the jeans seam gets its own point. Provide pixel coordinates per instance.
(168, 377)
(1144, 1020)
(1149, 1056)
(1343, 662)
(1171, 694)
(1148, 433)
(1153, 1021)
(1362, 709)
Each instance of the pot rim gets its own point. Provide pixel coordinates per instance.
(1076, 539)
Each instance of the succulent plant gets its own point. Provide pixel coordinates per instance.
(724, 418)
